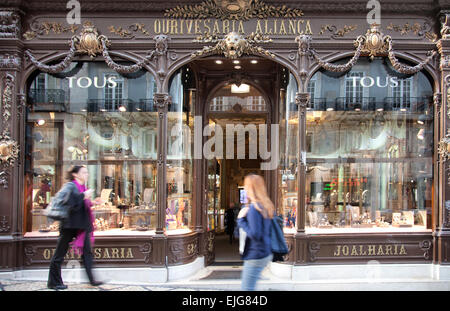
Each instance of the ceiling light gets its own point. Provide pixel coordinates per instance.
(219, 62)
(380, 109)
(237, 67)
(41, 122)
(243, 88)
(122, 109)
(254, 61)
(236, 62)
(403, 109)
(330, 109)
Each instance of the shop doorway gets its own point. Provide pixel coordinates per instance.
(244, 113)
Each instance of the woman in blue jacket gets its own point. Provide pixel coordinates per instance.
(255, 220)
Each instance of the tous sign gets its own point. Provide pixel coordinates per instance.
(369, 81)
(85, 82)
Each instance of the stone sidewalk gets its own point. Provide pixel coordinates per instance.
(19, 285)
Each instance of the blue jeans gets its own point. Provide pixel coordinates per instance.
(252, 270)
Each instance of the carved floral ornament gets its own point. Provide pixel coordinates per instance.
(91, 43)
(374, 43)
(233, 10)
(9, 148)
(233, 45)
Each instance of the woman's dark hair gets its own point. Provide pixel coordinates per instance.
(73, 170)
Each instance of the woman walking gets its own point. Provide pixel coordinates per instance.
(78, 225)
(255, 220)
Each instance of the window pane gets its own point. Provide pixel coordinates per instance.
(369, 158)
(287, 178)
(106, 121)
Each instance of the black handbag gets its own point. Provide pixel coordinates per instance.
(58, 209)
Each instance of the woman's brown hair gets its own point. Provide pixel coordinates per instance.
(257, 192)
(73, 170)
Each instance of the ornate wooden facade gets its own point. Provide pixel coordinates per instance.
(35, 33)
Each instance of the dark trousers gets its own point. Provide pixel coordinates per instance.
(65, 237)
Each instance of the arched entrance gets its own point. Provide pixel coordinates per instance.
(245, 107)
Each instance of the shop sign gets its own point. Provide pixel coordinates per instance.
(99, 253)
(370, 250)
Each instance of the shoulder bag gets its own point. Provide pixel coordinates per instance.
(58, 209)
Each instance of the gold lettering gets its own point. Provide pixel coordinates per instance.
(258, 27)
(233, 23)
(206, 25)
(216, 28)
(292, 27)
(47, 254)
(130, 253)
(115, 252)
(157, 26)
(106, 253)
(275, 27)
(283, 28)
(225, 26)
(388, 250)
(299, 29)
(181, 26)
(354, 252)
(380, 250)
(122, 252)
(173, 26)
(395, 249)
(165, 26)
(337, 251)
(189, 25)
(265, 27)
(371, 250)
(361, 251)
(345, 250)
(98, 253)
(197, 27)
(308, 28)
(241, 27)
(402, 250)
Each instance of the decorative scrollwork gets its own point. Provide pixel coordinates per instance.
(91, 43)
(121, 68)
(234, 10)
(58, 67)
(337, 33)
(405, 68)
(344, 67)
(234, 45)
(444, 148)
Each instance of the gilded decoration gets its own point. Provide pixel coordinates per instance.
(46, 28)
(337, 33)
(416, 28)
(375, 42)
(89, 41)
(233, 10)
(233, 45)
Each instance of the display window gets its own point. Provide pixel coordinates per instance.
(369, 150)
(180, 133)
(90, 115)
(289, 144)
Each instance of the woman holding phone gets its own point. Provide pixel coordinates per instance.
(78, 226)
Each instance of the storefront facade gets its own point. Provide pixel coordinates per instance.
(361, 167)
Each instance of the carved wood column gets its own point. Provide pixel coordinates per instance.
(302, 100)
(162, 101)
(442, 228)
(11, 138)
